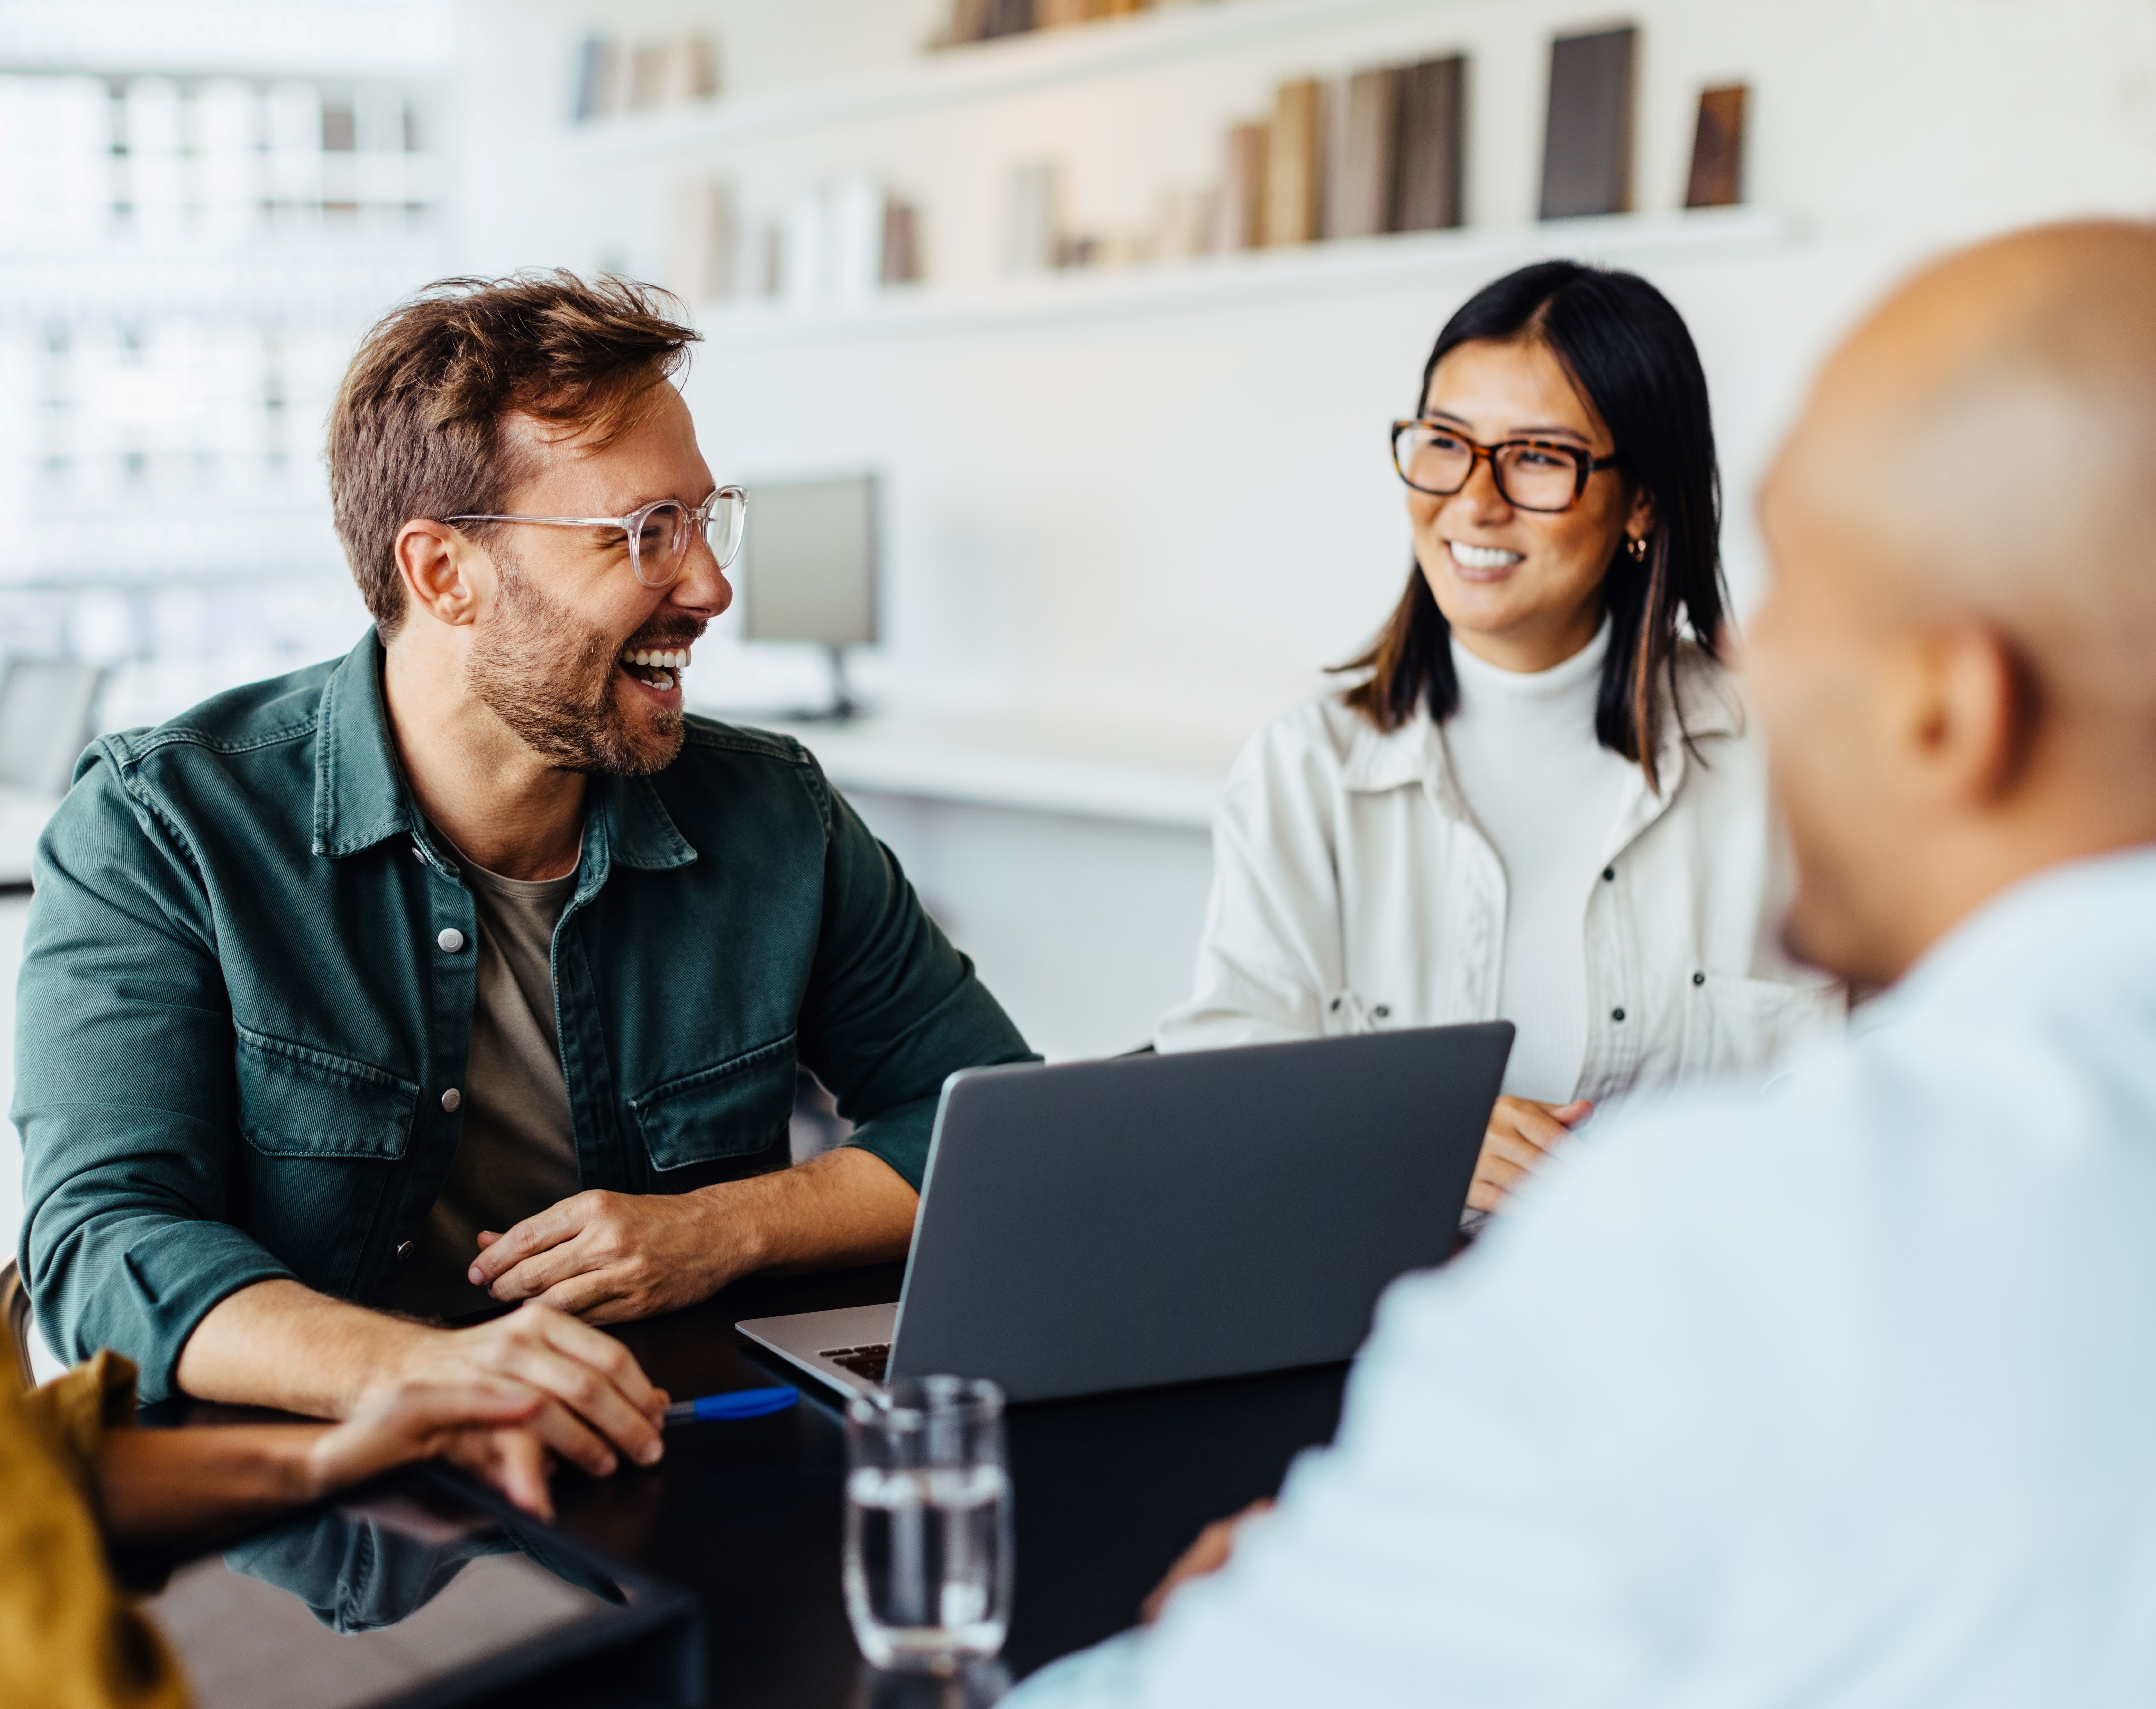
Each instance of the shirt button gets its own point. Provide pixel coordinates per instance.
(1615, 1014)
(450, 939)
(1382, 1010)
(403, 1250)
(453, 1097)
(1699, 979)
(1608, 874)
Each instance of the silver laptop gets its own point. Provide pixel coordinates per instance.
(1156, 1219)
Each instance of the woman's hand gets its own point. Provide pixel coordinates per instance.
(1209, 1554)
(210, 1479)
(1522, 1133)
(486, 1430)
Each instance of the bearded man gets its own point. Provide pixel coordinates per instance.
(467, 970)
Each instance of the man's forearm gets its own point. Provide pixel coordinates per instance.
(280, 1344)
(845, 1207)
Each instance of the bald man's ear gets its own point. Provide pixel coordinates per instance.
(431, 559)
(1970, 715)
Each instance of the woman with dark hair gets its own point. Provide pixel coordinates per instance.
(1540, 800)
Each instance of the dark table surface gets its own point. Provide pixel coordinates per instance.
(746, 1516)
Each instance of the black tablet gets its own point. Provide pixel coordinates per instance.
(422, 1592)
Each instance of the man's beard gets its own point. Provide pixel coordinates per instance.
(550, 680)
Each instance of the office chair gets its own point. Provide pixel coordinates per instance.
(15, 1309)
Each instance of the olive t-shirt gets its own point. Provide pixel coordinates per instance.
(516, 1151)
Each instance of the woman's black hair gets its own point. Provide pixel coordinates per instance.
(1628, 350)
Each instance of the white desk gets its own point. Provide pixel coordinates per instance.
(1032, 763)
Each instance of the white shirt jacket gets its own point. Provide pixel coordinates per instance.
(1839, 1395)
(1352, 890)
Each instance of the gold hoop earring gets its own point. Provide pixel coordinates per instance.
(1636, 549)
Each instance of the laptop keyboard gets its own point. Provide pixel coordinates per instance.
(866, 1362)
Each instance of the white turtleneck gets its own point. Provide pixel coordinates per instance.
(1547, 793)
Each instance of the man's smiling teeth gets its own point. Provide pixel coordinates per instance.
(1480, 558)
(654, 666)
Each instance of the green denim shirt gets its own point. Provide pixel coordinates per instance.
(236, 1022)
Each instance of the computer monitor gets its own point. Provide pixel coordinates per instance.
(45, 706)
(807, 571)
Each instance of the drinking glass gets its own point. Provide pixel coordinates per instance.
(928, 1523)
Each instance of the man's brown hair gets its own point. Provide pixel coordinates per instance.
(416, 428)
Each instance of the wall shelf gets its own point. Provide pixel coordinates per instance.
(1465, 256)
(1010, 65)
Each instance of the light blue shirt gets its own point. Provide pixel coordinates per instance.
(1841, 1394)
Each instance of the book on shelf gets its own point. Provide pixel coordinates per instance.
(704, 264)
(970, 21)
(976, 20)
(901, 242)
(1240, 210)
(1293, 159)
(613, 78)
(1428, 138)
(1359, 168)
(647, 75)
(1033, 240)
(594, 77)
(858, 213)
(690, 72)
(1717, 150)
(1183, 224)
(1587, 141)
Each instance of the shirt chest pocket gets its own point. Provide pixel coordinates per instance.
(729, 1109)
(320, 1131)
(296, 1101)
(1737, 1026)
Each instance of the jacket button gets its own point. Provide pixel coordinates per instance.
(1699, 979)
(1608, 874)
(453, 1097)
(450, 939)
(403, 1250)
(1616, 1014)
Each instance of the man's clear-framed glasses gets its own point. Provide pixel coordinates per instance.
(1532, 474)
(658, 534)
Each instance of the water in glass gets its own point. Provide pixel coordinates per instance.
(927, 1548)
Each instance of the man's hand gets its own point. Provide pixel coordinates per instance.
(593, 1397)
(1522, 1133)
(486, 1431)
(612, 1256)
(1209, 1554)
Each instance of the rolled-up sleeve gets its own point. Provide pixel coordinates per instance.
(124, 1092)
(892, 1009)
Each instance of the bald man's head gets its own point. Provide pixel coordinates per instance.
(1953, 661)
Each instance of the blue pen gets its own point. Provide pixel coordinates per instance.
(736, 1404)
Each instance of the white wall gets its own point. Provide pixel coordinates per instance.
(1111, 501)
(1189, 508)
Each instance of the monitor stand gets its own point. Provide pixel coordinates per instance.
(843, 708)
